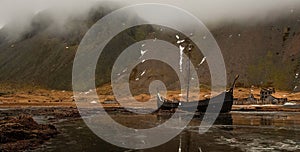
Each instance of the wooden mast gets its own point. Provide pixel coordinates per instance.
(189, 71)
(189, 48)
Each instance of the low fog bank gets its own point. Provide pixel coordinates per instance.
(16, 16)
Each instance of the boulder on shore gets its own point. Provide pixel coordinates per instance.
(23, 133)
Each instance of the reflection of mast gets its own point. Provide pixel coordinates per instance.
(189, 137)
(179, 148)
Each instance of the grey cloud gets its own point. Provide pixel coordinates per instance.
(212, 12)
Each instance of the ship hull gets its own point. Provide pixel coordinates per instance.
(225, 100)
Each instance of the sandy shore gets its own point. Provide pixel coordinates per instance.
(57, 105)
(56, 98)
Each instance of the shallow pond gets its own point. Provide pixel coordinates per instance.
(237, 131)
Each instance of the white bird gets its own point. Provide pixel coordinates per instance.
(143, 52)
(143, 72)
(177, 37)
(202, 60)
(93, 102)
(180, 41)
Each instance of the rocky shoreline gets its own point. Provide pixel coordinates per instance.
(20, 131)
(23, 133)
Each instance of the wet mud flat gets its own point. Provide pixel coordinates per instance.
(27, 128)
(236, 131)
(62, 128)
(22, 132)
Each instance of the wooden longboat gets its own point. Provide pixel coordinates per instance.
(225, 99)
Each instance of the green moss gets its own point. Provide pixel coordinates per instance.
(271, 71)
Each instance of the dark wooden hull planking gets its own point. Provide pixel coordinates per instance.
(201, 105)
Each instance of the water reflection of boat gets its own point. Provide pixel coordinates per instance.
(165, 104)
(223, 119)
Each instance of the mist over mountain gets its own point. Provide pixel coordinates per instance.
(263, 48)
(16, 16)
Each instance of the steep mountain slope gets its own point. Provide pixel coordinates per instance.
(263, 54)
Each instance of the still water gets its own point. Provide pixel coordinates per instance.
(237, 132)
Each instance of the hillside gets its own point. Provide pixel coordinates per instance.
(265, 54)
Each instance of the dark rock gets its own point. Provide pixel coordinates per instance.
(22, 132)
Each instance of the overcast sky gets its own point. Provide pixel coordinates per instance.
(210, 11)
